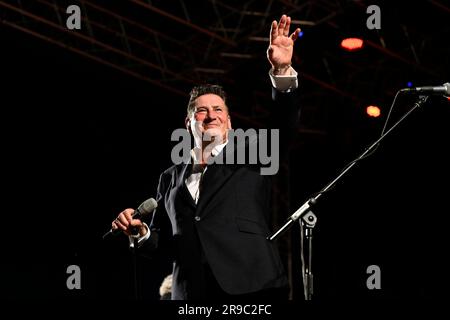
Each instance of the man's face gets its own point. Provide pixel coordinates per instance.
(210, 118)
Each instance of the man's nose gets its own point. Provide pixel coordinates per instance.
(211, 114)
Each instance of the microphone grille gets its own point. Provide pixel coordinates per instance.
(147, 206)
(447, 88)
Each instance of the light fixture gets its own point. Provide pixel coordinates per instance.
(352, 44)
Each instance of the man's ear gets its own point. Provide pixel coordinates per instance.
(229, 122)
(187, 123)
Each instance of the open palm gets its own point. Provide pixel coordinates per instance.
(281, 43)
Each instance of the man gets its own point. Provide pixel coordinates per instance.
(214, 217)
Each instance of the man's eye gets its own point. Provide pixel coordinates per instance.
(200, 110)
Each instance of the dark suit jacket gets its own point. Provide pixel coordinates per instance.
(227, 229)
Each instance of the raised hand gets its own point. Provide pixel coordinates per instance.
(281, 45)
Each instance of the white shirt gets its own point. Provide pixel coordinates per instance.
(195, 178)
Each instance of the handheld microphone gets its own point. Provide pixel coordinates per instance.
(438, 90)
(143, 210)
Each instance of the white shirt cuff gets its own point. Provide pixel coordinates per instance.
(142, 239)
(284, 83)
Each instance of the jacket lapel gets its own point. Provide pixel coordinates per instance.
(181, 184)
(213, 179)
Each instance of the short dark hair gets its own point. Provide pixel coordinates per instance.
(201, 90)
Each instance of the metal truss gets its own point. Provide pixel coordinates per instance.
(177, 44)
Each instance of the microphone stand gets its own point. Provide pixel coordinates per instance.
(306, 207)
(132, 247)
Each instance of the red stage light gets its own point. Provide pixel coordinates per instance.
(352, 44)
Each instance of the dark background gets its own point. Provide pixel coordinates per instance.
(82, 141)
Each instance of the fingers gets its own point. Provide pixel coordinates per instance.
(273, 30)
(295, 34)
(124, 220)
(282, 29)
(287, 26)
(135, 223)
(282, 25)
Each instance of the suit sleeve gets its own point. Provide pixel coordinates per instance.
(285, 110)
(284, 116)
(159, 226)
